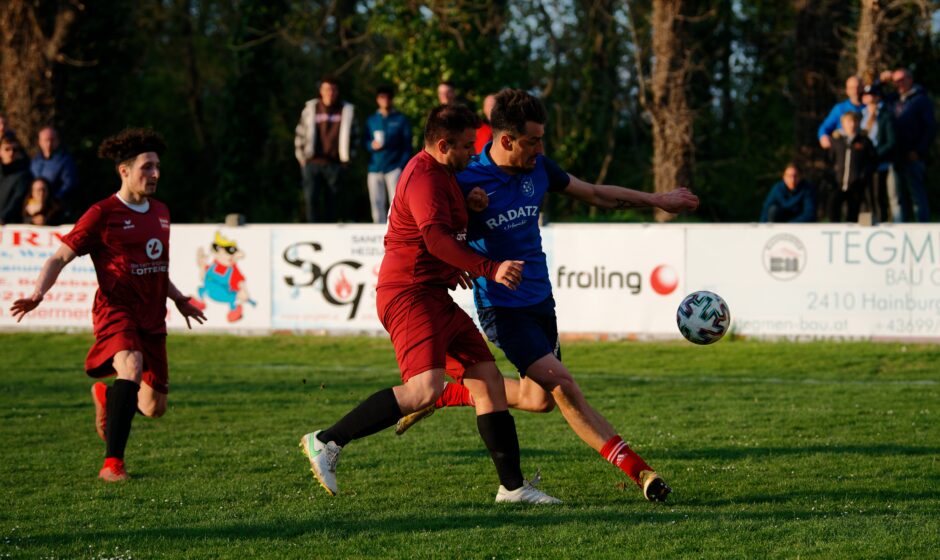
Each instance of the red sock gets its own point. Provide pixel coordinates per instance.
(454, 394)
(113, 462)
(618, 453)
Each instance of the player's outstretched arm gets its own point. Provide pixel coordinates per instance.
(47, 277)
(186, 309)
(610, 196)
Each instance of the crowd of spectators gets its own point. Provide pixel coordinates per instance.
(324, 145)
(41, 191)
(877, 141)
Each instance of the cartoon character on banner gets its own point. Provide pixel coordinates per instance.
(222, 282)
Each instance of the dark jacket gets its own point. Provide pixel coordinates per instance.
(59, 171)
(796, 206)
(915, 123)
(886, 140)
(14, 186)
(853, 160)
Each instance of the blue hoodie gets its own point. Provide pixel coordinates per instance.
(397, 149)
(508, 228)
(800, 202)
(833, 122)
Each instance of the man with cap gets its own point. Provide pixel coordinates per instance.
(127, 236)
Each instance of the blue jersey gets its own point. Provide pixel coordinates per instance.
(508, 229)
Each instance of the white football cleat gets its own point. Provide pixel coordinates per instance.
(323, 458)
(525, 494)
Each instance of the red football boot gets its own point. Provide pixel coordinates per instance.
(113, 471)
(99, 394)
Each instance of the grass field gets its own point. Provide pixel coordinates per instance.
(774, 450)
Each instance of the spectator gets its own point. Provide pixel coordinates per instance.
(854, 159)
(878, 124)
(388, 139)
(57, 167)
(485, 132)
(14, 180)
(446, 93)
(831, 124)
(322, 146)
(790, 200)
(916, 128)
(41, 208)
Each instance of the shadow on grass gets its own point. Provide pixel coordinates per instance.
(352, 525)
(725, 453)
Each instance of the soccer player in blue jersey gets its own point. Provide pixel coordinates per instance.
(505, 184)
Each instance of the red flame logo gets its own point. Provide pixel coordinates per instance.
(343, 288)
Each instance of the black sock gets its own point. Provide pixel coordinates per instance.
(498, 431)
(122, 405)
(373, 415)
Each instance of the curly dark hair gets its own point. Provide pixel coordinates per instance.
(129, 143)
(513, 108)
(448, 121)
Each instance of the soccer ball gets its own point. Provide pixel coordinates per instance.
(703, 317)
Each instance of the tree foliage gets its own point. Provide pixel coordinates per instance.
(225, 81)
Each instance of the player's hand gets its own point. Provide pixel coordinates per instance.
(464, 280)
(679, 200)
(825, 142)
(477, 200)
(188, 310)
(22, 306)
(509, 274)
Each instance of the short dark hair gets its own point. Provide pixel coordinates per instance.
(385, 89)
(329, 79)
(130, 143)
(447, 83)
(793, 164)
(447, 121)
(514, 108)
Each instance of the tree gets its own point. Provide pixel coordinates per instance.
(28, 61)
(664, 95)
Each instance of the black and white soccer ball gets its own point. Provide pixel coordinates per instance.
(703, 317)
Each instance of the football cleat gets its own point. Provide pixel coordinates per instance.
(410, 420)
(99, 394)
(525, 494)
(323, 458)
(654, 487)
(113, 471)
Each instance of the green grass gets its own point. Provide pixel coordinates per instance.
(774, 450)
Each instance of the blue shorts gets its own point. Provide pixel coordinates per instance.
(524, 334)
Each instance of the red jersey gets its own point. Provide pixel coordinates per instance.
(131, 254)
(484, 135)
(427, 193)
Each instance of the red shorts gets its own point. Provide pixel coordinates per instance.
(99, 362)
(430, 331)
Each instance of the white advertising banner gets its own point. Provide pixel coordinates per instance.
(617, 279)
(23, 250)
(228, 273)
(324, 277)
(822, 280)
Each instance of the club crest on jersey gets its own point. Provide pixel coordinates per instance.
(528, 187)
(154, 248)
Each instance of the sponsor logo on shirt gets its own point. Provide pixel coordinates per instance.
(154, 248)
(164, 223)
(512, 215)
(155, 267)
(128, 224)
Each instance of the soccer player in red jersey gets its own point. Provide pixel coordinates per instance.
(128, 238)
(425, 255)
